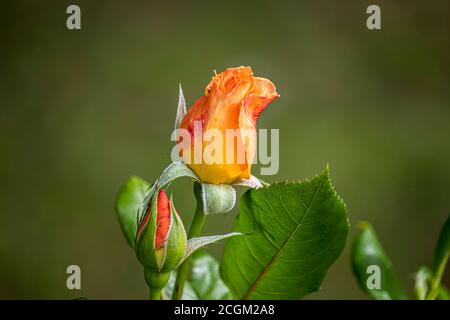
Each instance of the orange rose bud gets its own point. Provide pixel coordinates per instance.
(162, 219)
(161, 238)
(233, 100)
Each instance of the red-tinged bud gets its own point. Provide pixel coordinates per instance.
(161, 238)
(162, 219)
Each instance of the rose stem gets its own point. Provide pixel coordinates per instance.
(194, 231)
(155, 294)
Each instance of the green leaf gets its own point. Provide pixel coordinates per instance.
(128, 202)
(293, 234)
(443, 248)
(441, 255)
(204, 282)
(368, 252)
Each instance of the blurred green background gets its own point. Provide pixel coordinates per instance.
(83, 110)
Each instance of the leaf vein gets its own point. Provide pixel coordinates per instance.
(254, 286)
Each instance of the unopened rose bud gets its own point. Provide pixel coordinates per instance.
(161, 238)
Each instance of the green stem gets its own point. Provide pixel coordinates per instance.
(194, 231)
(155, 294)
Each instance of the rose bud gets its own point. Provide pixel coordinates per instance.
(233, 100)
(161, 238)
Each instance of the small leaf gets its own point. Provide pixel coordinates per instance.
(199, 242)
(441, 255)
(367, 252)
(293, 234)
(128, 202)
(204, 282)
(442, 249)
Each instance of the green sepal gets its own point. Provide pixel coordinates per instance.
(173, 171)
(197, 243)
(175, 246)
(217, 198)
(145, 240)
